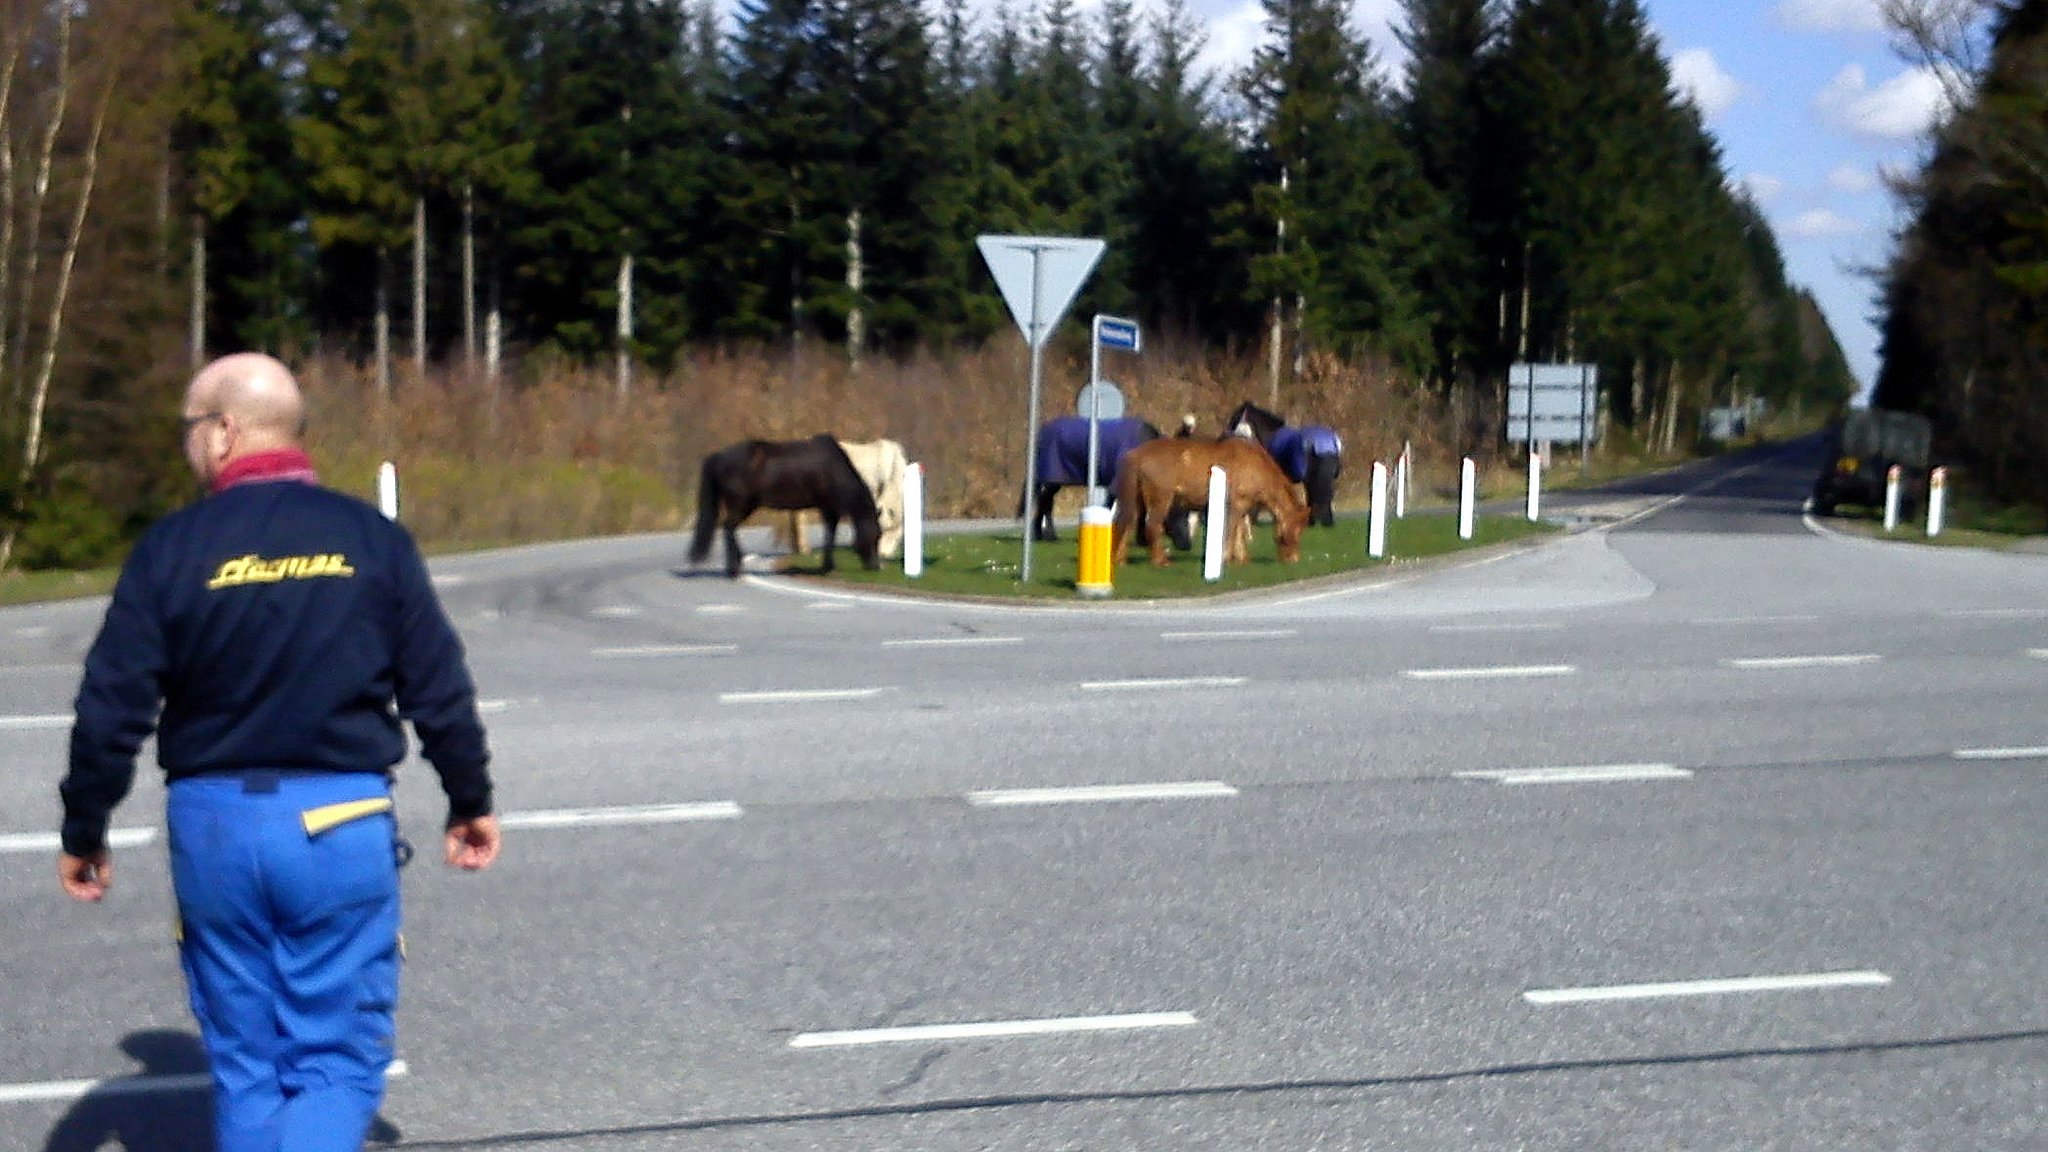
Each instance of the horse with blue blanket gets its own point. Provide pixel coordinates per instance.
(1311, 456)
(1063, 462)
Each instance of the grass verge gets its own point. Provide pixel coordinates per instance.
(989, 565)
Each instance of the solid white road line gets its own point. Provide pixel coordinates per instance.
(1100, 793)
(61, 1090)
(952, 641)
(627, 814)
(1587, 774)
(663, 650)
(1233, 634)
(1768, 663)
(991, 1029)
(49, 841)
(1461, 629)
(40, 723)
(1725, 987)
(1502, 672)
(1162, 682)
(2001, 753)
(800, 695)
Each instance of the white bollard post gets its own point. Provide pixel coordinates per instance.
(913, 520)
(1376, 530)
(1216, 523)
(1535, 483)
(1401, 468)
(387, 489)
(1937, 499)
(1467, 482)
(1891, 498)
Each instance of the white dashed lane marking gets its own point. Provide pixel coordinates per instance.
(1233, 634)
(1100, 793)
(1588, 774)
(61, 1090)
(48, 841)
(1722, 987)
(2034, 753)
(800, 695)
(992, 1029)
(636, 650)
(37, 723)
(1501, 672)
(1140, 685)
(1772, 663)
(626, 814)
(953, 642)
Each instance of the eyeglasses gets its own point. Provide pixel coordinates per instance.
(191, 422)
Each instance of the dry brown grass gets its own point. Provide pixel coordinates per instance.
(554, 451)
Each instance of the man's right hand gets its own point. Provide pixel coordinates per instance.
(86, 878)
(472, 844)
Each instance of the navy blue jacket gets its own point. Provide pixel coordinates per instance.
(277, 623)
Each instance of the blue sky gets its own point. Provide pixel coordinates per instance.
(1807, 100)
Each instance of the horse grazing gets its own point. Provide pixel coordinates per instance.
(786, 474)
(1163, 473)
(1312, 456)
(1063, 461)
(881, 464)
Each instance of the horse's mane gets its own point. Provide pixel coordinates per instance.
(1261, 422)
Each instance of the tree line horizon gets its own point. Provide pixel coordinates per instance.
(491, 185)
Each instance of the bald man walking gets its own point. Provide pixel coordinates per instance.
(273, 635)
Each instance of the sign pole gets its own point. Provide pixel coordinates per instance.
(1031, 428)
(1094, 403)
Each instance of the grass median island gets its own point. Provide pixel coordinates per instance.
(988, 564)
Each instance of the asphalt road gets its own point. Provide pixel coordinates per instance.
(1700, 827)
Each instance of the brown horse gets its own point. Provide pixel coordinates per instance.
(1159, 472)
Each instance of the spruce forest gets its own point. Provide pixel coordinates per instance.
(473, 205)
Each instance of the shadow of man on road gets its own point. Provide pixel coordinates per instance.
(164, 1106)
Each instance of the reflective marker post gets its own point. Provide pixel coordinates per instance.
(387, 489)
(1937, 496)
(1467, 481)
(1216, 523)
(913, 521)
(1891, 498)
(1376, 532)
(1096, 577)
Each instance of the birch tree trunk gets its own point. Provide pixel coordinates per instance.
(419, 287)
(382, 325)
(196, 316)
(468, 277)
(623, 371)
(856, 317)
(39, 194)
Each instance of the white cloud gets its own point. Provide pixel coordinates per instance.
(1820, 223)
(1700, 77)
(1763, 189)
(1898, 109)
(1236, 31)
(1832, 15)
(1849, 178)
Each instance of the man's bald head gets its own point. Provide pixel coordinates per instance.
(257, 393)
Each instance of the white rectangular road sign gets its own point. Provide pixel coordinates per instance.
(1556, 403)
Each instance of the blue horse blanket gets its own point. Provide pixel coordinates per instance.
(1292, 448)
(1063, 448)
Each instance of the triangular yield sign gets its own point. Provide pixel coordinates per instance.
(1062, 265)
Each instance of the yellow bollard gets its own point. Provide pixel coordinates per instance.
(1094, 579)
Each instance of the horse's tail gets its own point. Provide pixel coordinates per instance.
(708, 502)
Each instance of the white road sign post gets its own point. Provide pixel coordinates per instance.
(1109, 332)
(1039, 276)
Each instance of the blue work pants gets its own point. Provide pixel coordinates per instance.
(289, 941)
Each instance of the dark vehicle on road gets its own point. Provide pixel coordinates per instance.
(1863, 449)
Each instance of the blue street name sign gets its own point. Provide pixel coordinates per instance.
(1115, 333)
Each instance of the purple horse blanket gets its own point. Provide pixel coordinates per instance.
(1063, 448)
(1293, 447)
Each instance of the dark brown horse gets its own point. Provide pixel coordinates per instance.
(785, 474)
(1158, 473)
